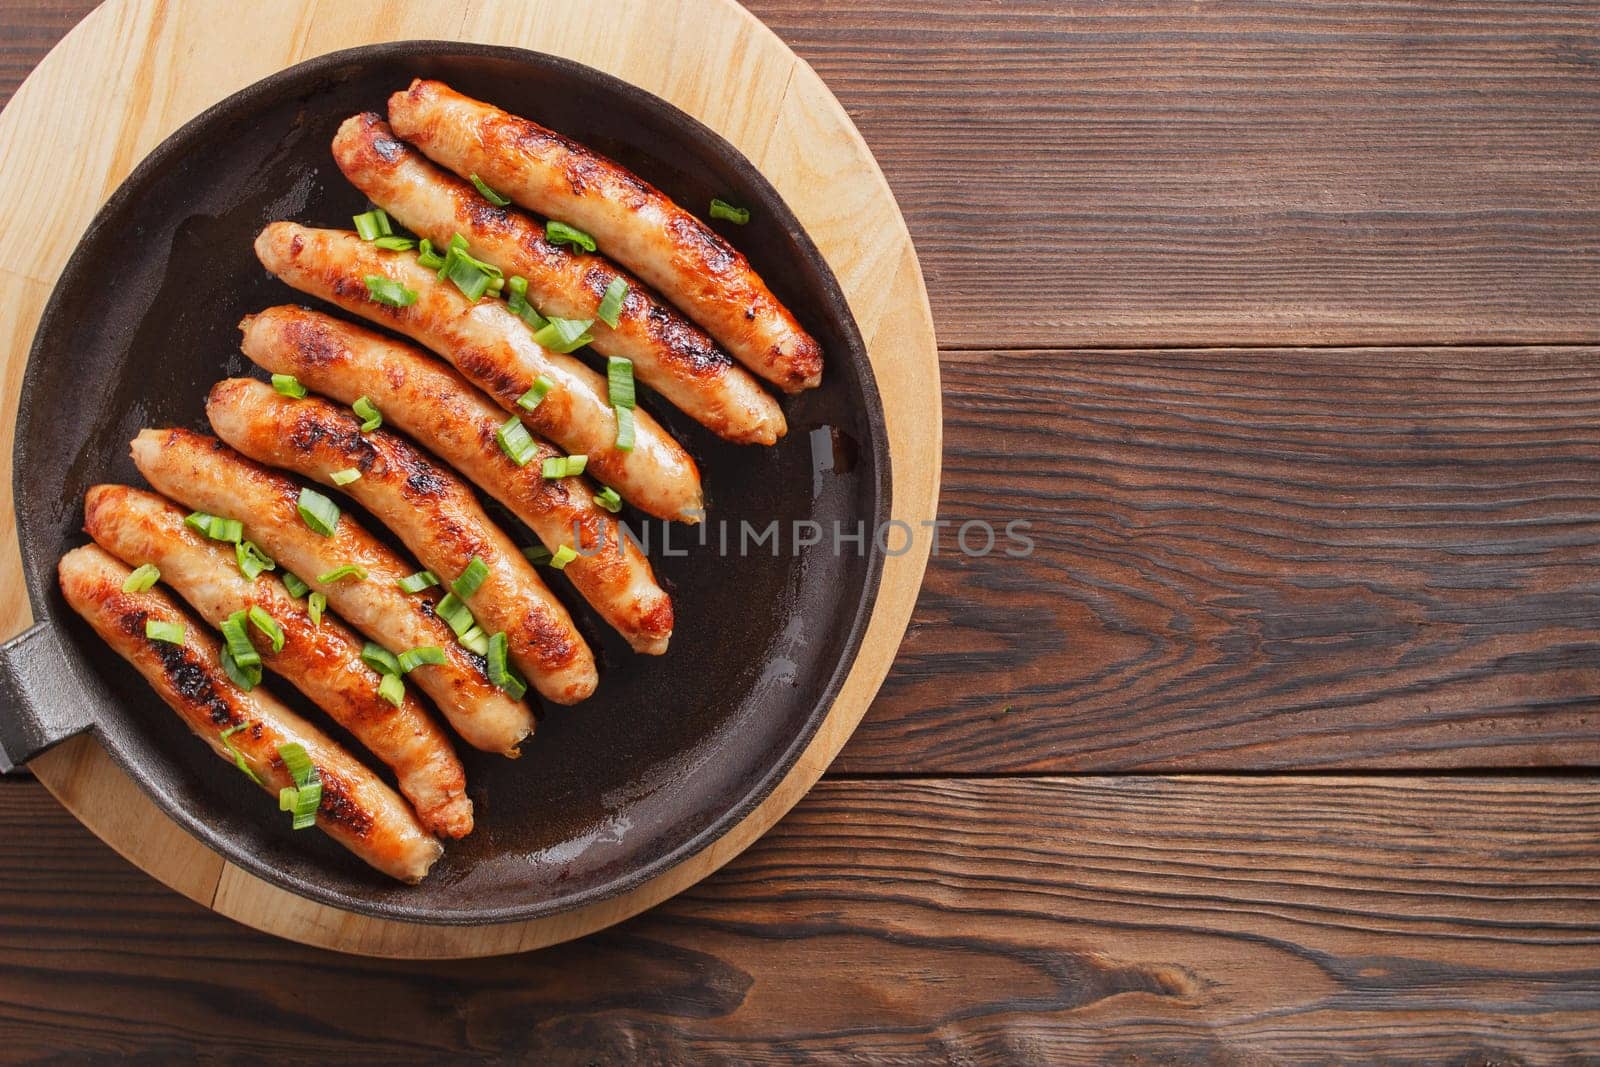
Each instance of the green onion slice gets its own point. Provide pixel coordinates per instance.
(536, 393)
(170, 632)
(501, 672)
(303, 798)
(516, 442)
(416, 583)
(619, 381)
(268, 626)
(609, 499)
(413, 658)
(373, 224)
(143, 577)
(388, 291)
(236, 640)
(517, 303)
(563, 335)
(371, 417)
(296, 587)
(559, 233)
(721, 209)
(318, 512)
(611, 304)
(564, 555)
(624, 429)
(238, 757)
(489, 194)
(316, 604)
(472, 276)
(392, 689)
(288, 385)
(471, 578)
(344, 477)
(246, 678)
(339, 574)
(564, 466)
(215, 526)
(252, 561)
(537, 554)
(427, 256)
(455, 614)
(379, 659)
(475, 640)
(395, 244)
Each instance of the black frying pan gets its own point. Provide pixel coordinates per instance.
(673, 750)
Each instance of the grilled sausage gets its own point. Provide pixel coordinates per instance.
(323, 662)
(669, 353)
(202, 472)
(428, 508)
(357, 810)
(495, 350)
(633, 223)
(443, 412)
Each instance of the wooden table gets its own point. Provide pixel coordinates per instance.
(1278, 322)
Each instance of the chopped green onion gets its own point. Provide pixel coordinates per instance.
(395, 244)
(215, 526)
(489, 194)
(536, 393)
(392, 689)
(413, 658)
(416, 583)
(563, 335)
(379, 659)
(373, 224)
(268, 626)
(316, 604)
(296, 587)
(288, 385)
(471, 579)
(199, 521)
(624, 429)
(252, 561)
(619, 381)
(371, 417)
(344, 477)
(170, 632)
(388, 291)
(559, 233)
(564, 555)
(319, 513)
(238, 757)
(236, 640)
(517, 303)
(501, 672)
(564, 466)
(246, 678)
(339, 574)
(537, 554)
(427, 256)
(475, 640)
(721, 209)
(611, 304)
(455, 614)
(303, 798)
(143, 577)
(609, 499)
(516, 442)
(472, 276)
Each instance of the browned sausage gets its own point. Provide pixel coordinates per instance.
(632, 222)
(358, 810)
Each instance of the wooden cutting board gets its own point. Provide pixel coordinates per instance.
(135, 70)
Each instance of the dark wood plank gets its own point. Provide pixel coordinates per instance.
(1166, 172)
(29, 29)
(1136, 920)
(1259, 559)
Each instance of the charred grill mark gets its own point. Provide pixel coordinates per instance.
(186, 676)
(312, 431)
(657, 622)
(339, 805)
(480, 214)
(683, 345)
(549, 643)
(710, 251)
(490, 373)
(425, 482)
(313, 344)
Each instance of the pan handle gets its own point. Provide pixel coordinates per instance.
(40, 702)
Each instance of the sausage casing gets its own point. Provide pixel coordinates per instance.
(496, 351)
(203, 473)
(669, 353)
(441, 410)
(632, 222)
(323, 662)
(358, 810)
(426, 507)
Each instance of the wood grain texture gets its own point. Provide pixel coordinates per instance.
(1081, 173)
(1078, 921)
(1258, 559)
(160, 62)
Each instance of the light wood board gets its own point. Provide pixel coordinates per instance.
(67, 140)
